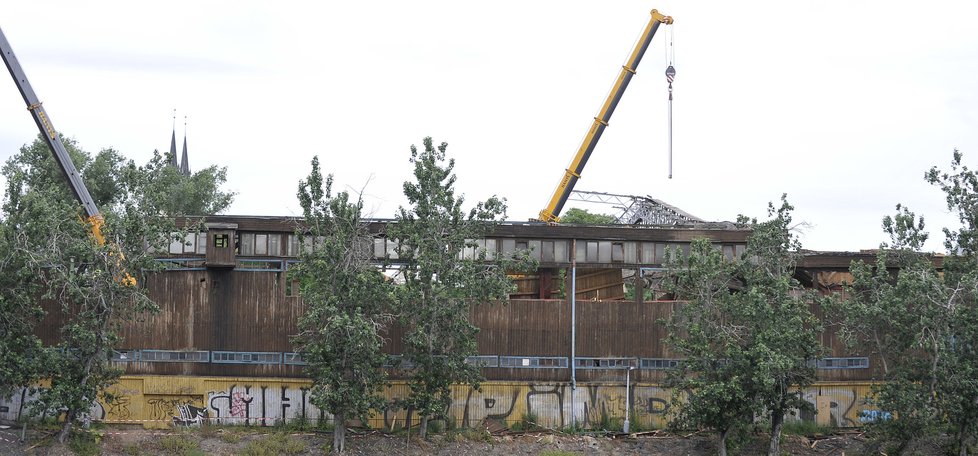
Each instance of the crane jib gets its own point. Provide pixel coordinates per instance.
(47, 129)
(573, 173)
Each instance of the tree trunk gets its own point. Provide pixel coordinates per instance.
(339, 433)
(723, 441)
(66, 427)
(70, 414)
(423, 429)
(963, 441)
(777, 422)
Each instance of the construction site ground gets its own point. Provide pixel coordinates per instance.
(271, 441)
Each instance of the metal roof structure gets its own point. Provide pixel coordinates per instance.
(639, 210)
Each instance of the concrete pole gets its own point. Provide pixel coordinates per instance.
(628, 399)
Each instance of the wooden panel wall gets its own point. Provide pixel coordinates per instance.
(250, 311)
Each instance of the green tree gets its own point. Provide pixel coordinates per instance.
(922, 322)
(440, 283)
(20, 349)
(348, 302)
(746, 331)
(53, 259)
(584, 217)
(172, 193)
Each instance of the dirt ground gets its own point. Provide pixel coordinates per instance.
(269, 441)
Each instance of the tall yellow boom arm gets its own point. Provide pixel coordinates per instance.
(72, 176)
(573, 172)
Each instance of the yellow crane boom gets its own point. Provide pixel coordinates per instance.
(573, 172)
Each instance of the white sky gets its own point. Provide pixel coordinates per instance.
(841, 104)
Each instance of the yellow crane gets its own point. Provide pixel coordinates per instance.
(93, 217)
(564, 188)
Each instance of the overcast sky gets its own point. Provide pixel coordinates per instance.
(841, 105)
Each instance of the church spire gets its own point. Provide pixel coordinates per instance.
(184, 163)
(173, 142)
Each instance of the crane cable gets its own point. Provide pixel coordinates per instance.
(670, 76)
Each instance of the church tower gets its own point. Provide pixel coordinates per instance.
(183, 165)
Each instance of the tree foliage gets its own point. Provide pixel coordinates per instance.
(172, 193)
(746, 331)
(922, 322)
(439, 283)
(585, 217)
(348, 303)
(51, 258)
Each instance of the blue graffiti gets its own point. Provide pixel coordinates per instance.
(869, 416)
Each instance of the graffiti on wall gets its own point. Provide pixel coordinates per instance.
(262, 404)
(259, 402)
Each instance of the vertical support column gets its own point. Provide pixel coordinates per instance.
(546, 283)
(573, 358)
(639, 286)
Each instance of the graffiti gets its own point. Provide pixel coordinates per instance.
(539, 398)
(167, 408)
(117, 407)
(237, 405)
(488, 405)
(191, 401)
(832, 406)
(869, 416)
(261, 405)
(190, 415)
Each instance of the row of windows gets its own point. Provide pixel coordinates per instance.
(280, 244)
(398, 361)
(842, 363)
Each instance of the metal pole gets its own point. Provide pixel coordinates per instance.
(628, 401)
(573, 300)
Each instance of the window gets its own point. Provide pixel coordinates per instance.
(533, 362)
(222, 241)
(617, 252)
(174, 356)
(189, 243)
(843, 363)
(292, 246)
(183, 264)
(294, 358)
(261, 244)
(246, 357)
(483, 360)
(658, 363)
(476, 247)
(270, 265)
(124, 356)
(604, 363)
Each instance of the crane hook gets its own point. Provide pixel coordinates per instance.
(670, 76)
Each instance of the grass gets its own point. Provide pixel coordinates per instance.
(179, 445)
(132, 449)
(806, 428)
(274, 445)
(84, 444)
(527, 423)
(231, 437)
(477, 435)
